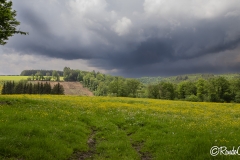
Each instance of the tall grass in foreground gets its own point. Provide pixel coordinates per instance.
(55, 127)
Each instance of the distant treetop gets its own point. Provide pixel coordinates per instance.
(43, 72)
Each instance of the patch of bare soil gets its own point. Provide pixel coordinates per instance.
(5, 103)
(138, 146)
(75, 88)
(71, 88)
(87, 154)
(143, 155)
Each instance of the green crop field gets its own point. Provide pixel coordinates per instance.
(73, 127)
(17, 78)
(13, 78)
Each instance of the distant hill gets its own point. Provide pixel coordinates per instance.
(189, 77)
(150, 80)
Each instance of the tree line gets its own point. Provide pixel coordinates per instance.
(217, 89)
(211, 89)
(23, 87)
(180, 78)
(39, 76)
(43, 72)
(103, 84)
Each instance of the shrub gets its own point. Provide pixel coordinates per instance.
(192, 98)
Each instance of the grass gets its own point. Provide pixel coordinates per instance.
(57, 127)
(17, 78)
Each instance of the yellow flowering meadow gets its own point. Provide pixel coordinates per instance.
(122, 128)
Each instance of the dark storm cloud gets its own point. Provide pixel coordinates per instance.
(36, 21)
(208, 37)
(147, 37)
(146, 53)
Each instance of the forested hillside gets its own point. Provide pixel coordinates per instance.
(150, 80)
(194, 87)
(103, 84)
(188, 77)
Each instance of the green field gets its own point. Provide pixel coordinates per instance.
(17, 78)
(73, 127)
(13, 78)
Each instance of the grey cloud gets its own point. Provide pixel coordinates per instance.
(158, 41)
(125, 7)
(222, 63)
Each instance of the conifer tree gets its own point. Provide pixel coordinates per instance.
(30, 88)
(58, 89)
(47, 88)
(4, 89)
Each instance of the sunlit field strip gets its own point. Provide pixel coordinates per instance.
(17, 78)
(13, 78)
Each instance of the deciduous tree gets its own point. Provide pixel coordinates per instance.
(133, 85)
(8, 22)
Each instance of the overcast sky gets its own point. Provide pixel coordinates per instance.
(131, 38)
